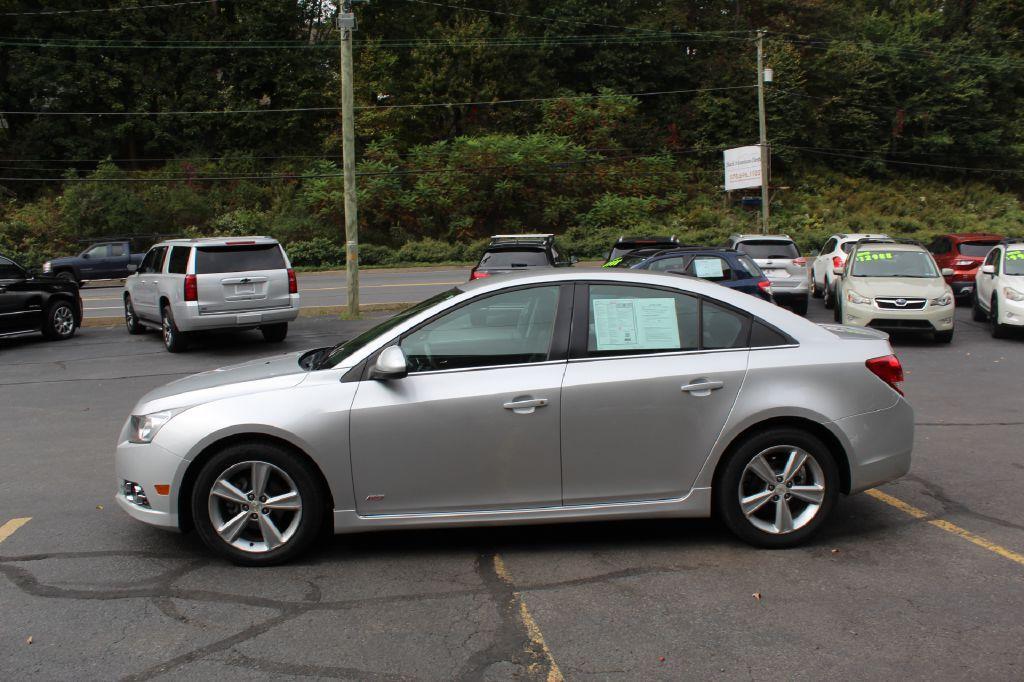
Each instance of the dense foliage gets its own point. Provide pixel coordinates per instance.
(898, 116)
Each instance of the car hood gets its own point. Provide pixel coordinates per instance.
(63, 260)
(898, 287)
(256, 376)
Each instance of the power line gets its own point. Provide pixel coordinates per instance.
(493, 102)
(129, 8)
(973, 169)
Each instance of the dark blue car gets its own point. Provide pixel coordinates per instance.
(728, 267)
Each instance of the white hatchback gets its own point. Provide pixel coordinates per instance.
(999, 288)
(833, 255)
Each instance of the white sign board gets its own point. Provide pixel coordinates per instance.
(636, 323)
(742, 167)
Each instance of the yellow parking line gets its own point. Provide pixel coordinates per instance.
(8, 529)
(948, 527)
(532, 629)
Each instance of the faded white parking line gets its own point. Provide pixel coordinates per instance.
(302, 290)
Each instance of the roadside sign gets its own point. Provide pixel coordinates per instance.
(742, 167)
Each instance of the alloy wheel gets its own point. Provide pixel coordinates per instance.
(63, 320)
(255, 506)
(781, 489)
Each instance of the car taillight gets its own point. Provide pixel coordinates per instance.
(765, 284)
(293, 283)
(191, 288)
(838, 261)
(478, 275)
(800, 261)
(889, 370)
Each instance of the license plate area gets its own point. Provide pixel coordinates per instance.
(245, 289)
(778, 274)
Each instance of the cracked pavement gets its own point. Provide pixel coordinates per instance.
(878, 594)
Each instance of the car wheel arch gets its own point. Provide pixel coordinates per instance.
(817, 429)
(191, 474)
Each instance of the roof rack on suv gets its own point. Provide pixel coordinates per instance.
(534, 239)
(646, 240)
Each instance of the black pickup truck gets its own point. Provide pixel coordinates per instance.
(102, 260)
(37, 304)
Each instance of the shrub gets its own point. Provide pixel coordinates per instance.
(429, 251)
(315, 252)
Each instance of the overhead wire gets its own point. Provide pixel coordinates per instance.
(97, 10)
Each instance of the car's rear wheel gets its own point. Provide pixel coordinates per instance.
(59, 321)
(999, 330)
(274, 333)
(977, 314)
(777, 487)
(175, 341)
(815, 289)
(257, 504)
(800, 306)
(830, 298)
(131, 320)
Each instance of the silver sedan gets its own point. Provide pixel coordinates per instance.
(557, 396)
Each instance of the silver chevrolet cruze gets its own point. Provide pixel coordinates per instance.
(565, 395)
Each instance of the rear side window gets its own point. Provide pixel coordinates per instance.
(763, 336)
(976, 249)
(178, 261)
(8, 270)
(722, 327)
(768, 248)
(244, 258)
(751, 267)
(848, 246)
(116, 250)
(513, 259)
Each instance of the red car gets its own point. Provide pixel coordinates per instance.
(963, 253)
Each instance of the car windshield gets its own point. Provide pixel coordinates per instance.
(881, 263)
(625, 261)
(1014, 262)
(768, 248)
(513, 258)
(976, 249)
(334, 356)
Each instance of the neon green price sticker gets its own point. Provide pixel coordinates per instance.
(1015, 255)
(613, 262)
(874, 255)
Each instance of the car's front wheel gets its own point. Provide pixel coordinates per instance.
(59, 321)
(944, 337)
(257, 504)
(777, 487)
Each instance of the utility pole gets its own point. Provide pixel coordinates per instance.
(763, 131)
(346, 26)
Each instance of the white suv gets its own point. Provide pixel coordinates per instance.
(999, 288)
(833, 255)
(186, 285)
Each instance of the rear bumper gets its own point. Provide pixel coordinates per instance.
(188, 319)
(879, 445)
(790, 287)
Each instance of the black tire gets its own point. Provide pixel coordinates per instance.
(830, 295)
(307, 526)
(944, 337)
(977, 314)
(59, 321)
(727, 485)
(837, 311)
(800, 307)
(175, 341)
(68, 276)
(131, 320)
(999, 331)
(274, 333)
(815, 289)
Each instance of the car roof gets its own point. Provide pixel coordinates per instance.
(890, 246)
(970, 236)
(516, 247)
(760, 237)
(218, 241)
(860, 235)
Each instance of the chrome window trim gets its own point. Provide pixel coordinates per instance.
(486, 367)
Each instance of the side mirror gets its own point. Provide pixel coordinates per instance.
(31, 273)
(391, 364)
(988, 269)
(839, 272)
(133, 267)
(947, 272)
(86, 255)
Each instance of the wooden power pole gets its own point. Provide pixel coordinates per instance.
(763, 132)
(346, 26)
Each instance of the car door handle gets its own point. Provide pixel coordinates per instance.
(526, 405)
(702, 388)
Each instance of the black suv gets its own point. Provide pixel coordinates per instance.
(516, 252)
(629, 244)
(37, 304)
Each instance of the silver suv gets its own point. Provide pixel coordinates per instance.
(779, 258)
(187, 285)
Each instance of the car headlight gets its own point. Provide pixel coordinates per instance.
(47, 267)
(144, 427)
(854, 297)
(945, 299)
(1012, 294)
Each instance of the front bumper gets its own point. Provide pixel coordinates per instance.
(149, 465)
(188, 319)
(928, 319)
(879, 445)
(1011, 312)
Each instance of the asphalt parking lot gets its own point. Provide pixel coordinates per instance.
(922, 579)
